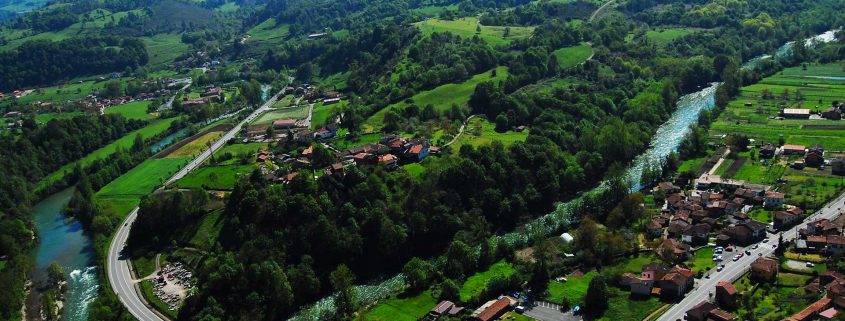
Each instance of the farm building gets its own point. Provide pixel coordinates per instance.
(796, 113)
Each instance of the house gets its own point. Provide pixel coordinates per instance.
(696, 234)
(326, 132)
(641, 287)
(793, 149)
(654, 229)
(767, 151)
(795, 113)
(773, 199)
(443, 308)
(828, 314)
(667, 188)
(743, 233)
(727, 295)
(672, 250)
(838, 166)
(365, 159)
(493, 309)
(822, 227)
(814, 157)
(832, 113)
(284, 123)
(786, 219)
(835, 244)
(705, 311)
(674, 284)
(418, 151)
(389, 161)
(331, 101)
(811, 311)
(764, 269)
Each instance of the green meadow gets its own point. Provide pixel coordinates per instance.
(569, 57)
(441, 97)
(125, 192)
(479, 132)
(132, 110)
(467, 28)
(165, 47)
(125, 142)
(403, 308)
(476, 283)
(286, 113)
(217, 177)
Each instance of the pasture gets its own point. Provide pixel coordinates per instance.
(569, 57)
(442, 97)
(477, 283)
(480, 131)
(196, 146)
(132, 110)
(467, 28)
(125, 192)
(287, 113)
(402, 308)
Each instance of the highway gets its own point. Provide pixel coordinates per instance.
(118, 268)
(735, 269)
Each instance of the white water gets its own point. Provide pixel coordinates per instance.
(82, 290)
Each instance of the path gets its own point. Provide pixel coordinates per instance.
(600, 9)
(169, 104)
(719, 162)
(460, 131)
(118, 267)
(735, 269)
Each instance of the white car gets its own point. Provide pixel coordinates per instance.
(736, 258)
(719, 268)
(810, 264)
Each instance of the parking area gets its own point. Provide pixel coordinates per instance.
(546, 311)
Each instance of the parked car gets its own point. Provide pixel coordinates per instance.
(719, 268)
(810, 264)
(747, 252)
(765, 240)
(755, 246)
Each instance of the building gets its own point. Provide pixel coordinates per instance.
(832, 113)
(814, 157)
(284, 123)
(764, 269)
(812, 311)
(493, 309)
(388, 161)
(667, 187)
(654, 229)
(793, 149)
(767, 151)
(795, 113)
(705, 311)
(835, 244)
(785, 219)
(672, 250)
(443, 308)
(837, 166)
(773, 199)
(727, 295)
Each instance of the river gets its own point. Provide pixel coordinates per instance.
(666, 139)
(62, 240)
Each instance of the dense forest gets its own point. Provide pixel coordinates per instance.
(43, 62)
(28, 157)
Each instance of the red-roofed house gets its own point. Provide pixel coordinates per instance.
(444, 308)
(810, 312)
(492, 309)
(726, 295)
(284, 123)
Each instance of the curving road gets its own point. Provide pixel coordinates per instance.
(118, 268)
(735, 269)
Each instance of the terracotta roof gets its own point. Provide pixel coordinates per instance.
(494, 310)
(764, 264)
(794, 147)
(728, 287)
(416, 149)
(718, 314)
(829, 313)
(442, 307)
(836, 239)
(810, 310)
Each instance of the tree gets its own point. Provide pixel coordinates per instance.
(112, 89)
(251, 91)
(781, 246)
(449, 290)
(343, 280)
(305, 71)
(55, 273)
(595, 301)
(501, 123)
(419, 273)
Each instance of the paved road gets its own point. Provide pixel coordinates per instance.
(547, 311)
(118, 269)
(734, 270)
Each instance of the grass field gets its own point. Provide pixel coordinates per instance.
(775, 302)
(476, 283)
(133, 110)
(434, 10)
(416, 170)
(164, 48)
(208, 230)
(196, 146)
(665, 36)
(321, 113)
(267, 34)
(573, 289)
(60, 93)
(569, 57)
(480, 131)
(287, 113)
(126, 142)
(441, 97)
(409, 308)
(343, 143)
(237, 149)
(125, 192)
(215, 177)
(702, 260)
(623, 307)
(466, 27)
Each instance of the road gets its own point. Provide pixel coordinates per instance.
(595, 13)
(118, 268)
(735, 269)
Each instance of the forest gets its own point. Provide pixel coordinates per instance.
(45, 62)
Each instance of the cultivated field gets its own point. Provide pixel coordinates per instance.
(196, 146)
(287, 113)
(125, 192)
(479, 132)
(569, 57)
(133, 110)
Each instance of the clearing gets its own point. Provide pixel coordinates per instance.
(569, 57)
(467, 28)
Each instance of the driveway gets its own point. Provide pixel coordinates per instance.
(545, 311)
